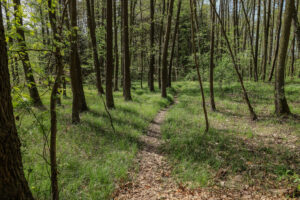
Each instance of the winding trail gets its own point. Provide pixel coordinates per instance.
(153, 180)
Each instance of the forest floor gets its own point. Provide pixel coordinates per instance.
(153, 179)
(161, 152)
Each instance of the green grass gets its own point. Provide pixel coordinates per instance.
(264, 153)
(91, 158)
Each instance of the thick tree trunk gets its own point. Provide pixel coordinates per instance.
(173, 43)
(152, 55)
(92, 27)
(281, 106)
(127, 78)
(109, 55)
(79, 103)
(13, 184)
(31, 84)
(164, 78)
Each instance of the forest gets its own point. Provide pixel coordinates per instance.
(149, 99)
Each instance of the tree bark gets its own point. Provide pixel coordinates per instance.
(257, 43)
(13, 184)
(79, 103)
(267, 15)
(211, 63)
(165, 52)
(116, 51)
(281, 106)
(152, 55)
(109, 55)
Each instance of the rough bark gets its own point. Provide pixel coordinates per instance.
(281, 106)
(109, 55)
(13, 184)
(211, 63)
(127, 78)
(79, 103)
(152, 55)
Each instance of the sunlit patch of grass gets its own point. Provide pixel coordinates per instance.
(91, 157)
(234, 143)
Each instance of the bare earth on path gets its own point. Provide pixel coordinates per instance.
(154, 182)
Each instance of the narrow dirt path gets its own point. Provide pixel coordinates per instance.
(153, 180)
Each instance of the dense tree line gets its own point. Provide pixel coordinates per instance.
(111, 43)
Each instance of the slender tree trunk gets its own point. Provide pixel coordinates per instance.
(197, 65)
(116, 51)
(152, 55)
(109, 55)
(279, 21)
(296, 23)
(127, 81)
(13, 184)
(281, 106)
(161, 33)
(245, 94)
(257, 43)
(211, 63)
(31, 84)
(92, 27)
(267, 15)
(165, 52)
(174, 42)
(57, 37)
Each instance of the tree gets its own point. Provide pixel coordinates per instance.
(79, 103)
(257, 44)
(281, 106)
(197, 65)
(109, 56)
(173, 43)
(127, 78)
(164, 77)
(211, 63)
(31, 84)
(92, 26)
(116, 85)
(152, 55)
(13, 184)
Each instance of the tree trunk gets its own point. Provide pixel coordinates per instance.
(152, 55)
(92, 27)
(245, 94)
(127, 79)
(197, 65)
(174, 42)
(13, 184)
(109, 55)
(267, 15)
(165, 52)
(31, 84)
(79, 103)
(211, 63)
(257, 43)
(116, 85)
(279, 21)
(281, 106)
(161, 33)
(296, 23)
